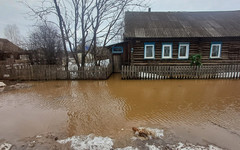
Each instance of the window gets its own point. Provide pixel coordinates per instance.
(183, 50)
(117, 50)
(149, 50)
(215, 50)
(167, 50)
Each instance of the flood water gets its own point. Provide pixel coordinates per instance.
(196, 111)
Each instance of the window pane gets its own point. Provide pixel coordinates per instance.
(166, 51)
(149, 51)
(215, 50)
(183, 50)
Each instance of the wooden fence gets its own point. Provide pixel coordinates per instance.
(53, 72)
(181, 72)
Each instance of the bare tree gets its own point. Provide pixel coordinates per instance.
(12, 33)
(107, 21)
(61, 23)
(96, 22)
(46, 41)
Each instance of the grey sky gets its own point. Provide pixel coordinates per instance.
(12, 12)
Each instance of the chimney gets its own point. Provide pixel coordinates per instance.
(149, 9)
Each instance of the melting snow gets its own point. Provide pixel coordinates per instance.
(105, 143)
(2, 84)
(152, 147)
(89, 142)
(127, 148)
(182, 146)
(5, 146)
(157, 133)
(211, 147)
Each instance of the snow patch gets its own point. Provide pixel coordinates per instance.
(72, 66)
(157, 132)
(127, 148)
(2, 84)
(211, 147)
(152, 147)
(182, 146)
(89, 142)
(38, 136)
(105, 143)
(5, 146)
(134, 138)
(6, 75)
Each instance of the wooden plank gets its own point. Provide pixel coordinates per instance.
(218, 72)
(147, 72)
(127, 71)
(123, 72)
(235, 71)
(152, 74)
(226, 71)
(230, 71)
(148, 69)
(238, 70)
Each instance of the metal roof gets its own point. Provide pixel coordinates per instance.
(182, 24)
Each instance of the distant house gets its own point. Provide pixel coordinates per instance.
(11, 53)
(169, 38)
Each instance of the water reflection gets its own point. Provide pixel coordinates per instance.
(112, 107)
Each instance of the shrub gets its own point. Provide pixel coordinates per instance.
(196, 60)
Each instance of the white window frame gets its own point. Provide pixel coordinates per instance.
(187, 50)
(219, 50)
(145, 50)
(170, 53)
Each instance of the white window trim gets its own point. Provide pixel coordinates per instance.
(187, 51)
(145, 51)
(170, 53)
(219, 50)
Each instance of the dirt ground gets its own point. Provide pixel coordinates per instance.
(39, 142)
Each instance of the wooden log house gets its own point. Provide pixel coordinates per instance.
(169, 38)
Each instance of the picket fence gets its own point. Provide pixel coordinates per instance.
(53, 72)
(181, 72)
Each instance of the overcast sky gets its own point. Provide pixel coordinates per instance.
(12, 12)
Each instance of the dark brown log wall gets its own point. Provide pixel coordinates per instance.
(230, 52)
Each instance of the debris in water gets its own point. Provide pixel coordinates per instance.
(148, 133)
(6, 146)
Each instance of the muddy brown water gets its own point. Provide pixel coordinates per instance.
(196, 111)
